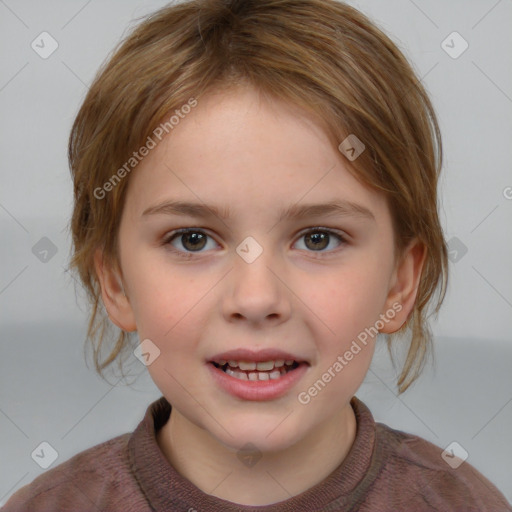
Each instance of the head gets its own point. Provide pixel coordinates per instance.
(245, 106)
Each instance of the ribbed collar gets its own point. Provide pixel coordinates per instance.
(166, 489)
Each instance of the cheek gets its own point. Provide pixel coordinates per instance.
(347, 301)
(164, 299)
(171, 317)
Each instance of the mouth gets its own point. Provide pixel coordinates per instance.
(257, 371)
(257, 377)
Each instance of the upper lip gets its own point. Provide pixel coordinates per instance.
(267, 354)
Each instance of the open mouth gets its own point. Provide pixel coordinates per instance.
(257, 371)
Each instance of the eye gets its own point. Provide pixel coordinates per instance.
(193, 240)
(318, 239)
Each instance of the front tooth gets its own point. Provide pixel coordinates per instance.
(275, 375)
(245, 365)
(265, 365)
(279, 363)
(263, 376)
(253, 376)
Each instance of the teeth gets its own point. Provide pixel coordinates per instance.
(255, 376)
(245, 365)
(263, 366)
(238, 375)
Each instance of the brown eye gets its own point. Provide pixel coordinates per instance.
(317, 240)
(193, 241)
(190, 240)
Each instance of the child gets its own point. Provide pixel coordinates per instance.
(256, 197)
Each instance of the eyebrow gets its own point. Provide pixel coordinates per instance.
(343, 208)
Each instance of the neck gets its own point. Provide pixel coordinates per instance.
(216, 470)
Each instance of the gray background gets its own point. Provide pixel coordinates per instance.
(46, 390)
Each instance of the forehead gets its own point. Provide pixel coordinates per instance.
(238, 150)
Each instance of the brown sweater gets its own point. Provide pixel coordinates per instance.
(385, 470)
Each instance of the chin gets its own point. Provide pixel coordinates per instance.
(270, 435)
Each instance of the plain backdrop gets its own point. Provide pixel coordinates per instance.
(44, 383)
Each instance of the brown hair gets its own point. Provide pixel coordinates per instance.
(321, 55)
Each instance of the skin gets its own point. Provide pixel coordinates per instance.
(256, 156)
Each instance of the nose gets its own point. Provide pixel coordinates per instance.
(256, 291)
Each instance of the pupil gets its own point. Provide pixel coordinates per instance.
(319, 240)
(196, 238)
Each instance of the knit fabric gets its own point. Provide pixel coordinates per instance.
(385, 470)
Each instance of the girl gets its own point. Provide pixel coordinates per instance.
(255, 188)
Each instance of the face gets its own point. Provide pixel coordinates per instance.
(253, 276)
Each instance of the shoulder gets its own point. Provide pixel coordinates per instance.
(417, 468)
(94, 479)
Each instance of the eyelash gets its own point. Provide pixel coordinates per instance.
(189, 254)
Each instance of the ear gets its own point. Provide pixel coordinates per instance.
(404, 285)
(113, 294)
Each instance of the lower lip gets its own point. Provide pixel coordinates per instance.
(258, 390)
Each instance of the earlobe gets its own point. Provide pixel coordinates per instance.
(113, 294)
(404, 287)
